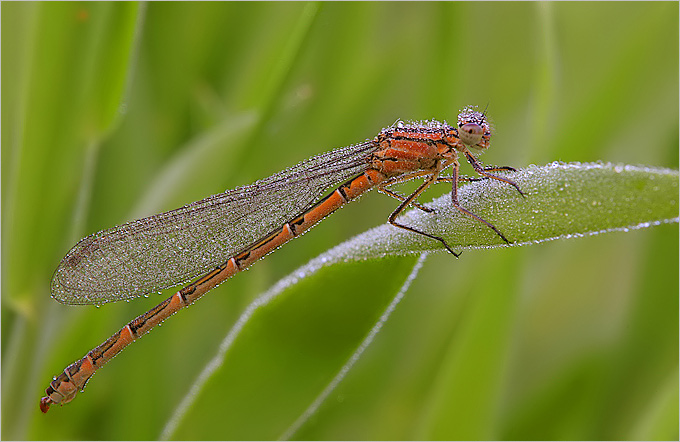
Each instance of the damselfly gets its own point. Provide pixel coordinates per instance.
(217, 237)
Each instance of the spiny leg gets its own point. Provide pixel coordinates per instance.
(485, 168)
(448, 179)
(402, 198)
(465, 178)
(499, 168)
(482, 171)
(429, 180)
(456, 204)
(384, 190)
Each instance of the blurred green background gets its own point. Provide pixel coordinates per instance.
(112, 111)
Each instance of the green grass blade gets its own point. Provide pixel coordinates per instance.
(562, 201)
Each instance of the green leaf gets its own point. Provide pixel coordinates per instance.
(562, 201)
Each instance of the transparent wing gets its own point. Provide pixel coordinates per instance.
(164, 250)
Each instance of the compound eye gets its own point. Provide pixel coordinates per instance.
(470, 133)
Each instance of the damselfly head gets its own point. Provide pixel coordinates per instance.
(473, 128)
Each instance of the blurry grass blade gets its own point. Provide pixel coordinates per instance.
(109, 32)
(321, 398)
(271, 90)
(661, 420)
(474, 363)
